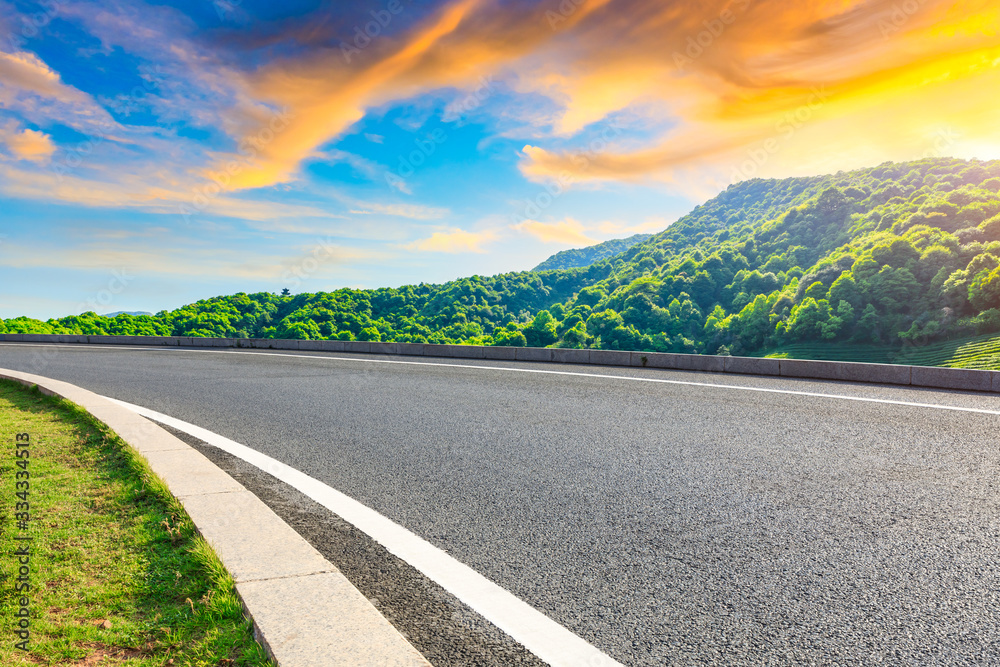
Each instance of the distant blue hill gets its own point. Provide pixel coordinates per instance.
(133, 313)
(571, 259)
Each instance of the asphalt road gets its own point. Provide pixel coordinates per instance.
(664, 523)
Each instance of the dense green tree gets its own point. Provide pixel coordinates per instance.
(899, 253)
(542, 330)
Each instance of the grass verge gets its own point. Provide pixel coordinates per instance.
(978, 352)
(118, 573)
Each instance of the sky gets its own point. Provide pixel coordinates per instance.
(153, 154)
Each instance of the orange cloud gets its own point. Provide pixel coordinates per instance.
(454, 241)
(135, 191)
(565, 232)
(27, 72)
(720, 89)
(185, 260)
(30, 145)
(30, 86)
(323, 94)
(724, 73)
(758, 87)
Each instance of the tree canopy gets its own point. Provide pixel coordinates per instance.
(888, 255)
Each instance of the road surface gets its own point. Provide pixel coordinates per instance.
(706, 519)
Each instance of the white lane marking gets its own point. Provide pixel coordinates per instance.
(538, 633)
(767, 390)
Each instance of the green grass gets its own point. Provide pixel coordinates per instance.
(118, 573)
(834, 352)
(981, 352)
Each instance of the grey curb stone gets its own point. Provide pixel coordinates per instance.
(288, 608)
(454, 351)
(752, 366)
(917, 376)
(697, 362)
(252, 343)
(188, 472)
(533, 354)
(153, 340)
(500, 352)
(93, 340)
(234, 522)
(383, 348)
(682, 362)
(610, 357)
(951, 378)
(218, 342)
(849, 371)
(305, 612)
(569, 356)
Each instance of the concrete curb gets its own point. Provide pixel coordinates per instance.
(304, 611)
(913, 376)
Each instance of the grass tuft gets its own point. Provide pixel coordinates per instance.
(118, 572)
(978, 352)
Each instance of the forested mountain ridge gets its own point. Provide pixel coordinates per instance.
(580, 257)
(894, 254)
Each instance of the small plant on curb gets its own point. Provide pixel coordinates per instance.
(118, 572)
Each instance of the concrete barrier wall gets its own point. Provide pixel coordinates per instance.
(914, 376)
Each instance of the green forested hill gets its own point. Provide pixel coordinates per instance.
(890, 258)
(579, 257)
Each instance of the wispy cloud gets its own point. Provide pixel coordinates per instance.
(24, 72)
(455, 47)
(412, 211)
(455, 241)
(135, 192)
(565, 232)
(177, 259)
(734, 73)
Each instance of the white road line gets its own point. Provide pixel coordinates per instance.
(538, 633)
(508, 369)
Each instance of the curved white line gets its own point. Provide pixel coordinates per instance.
(531, 628)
